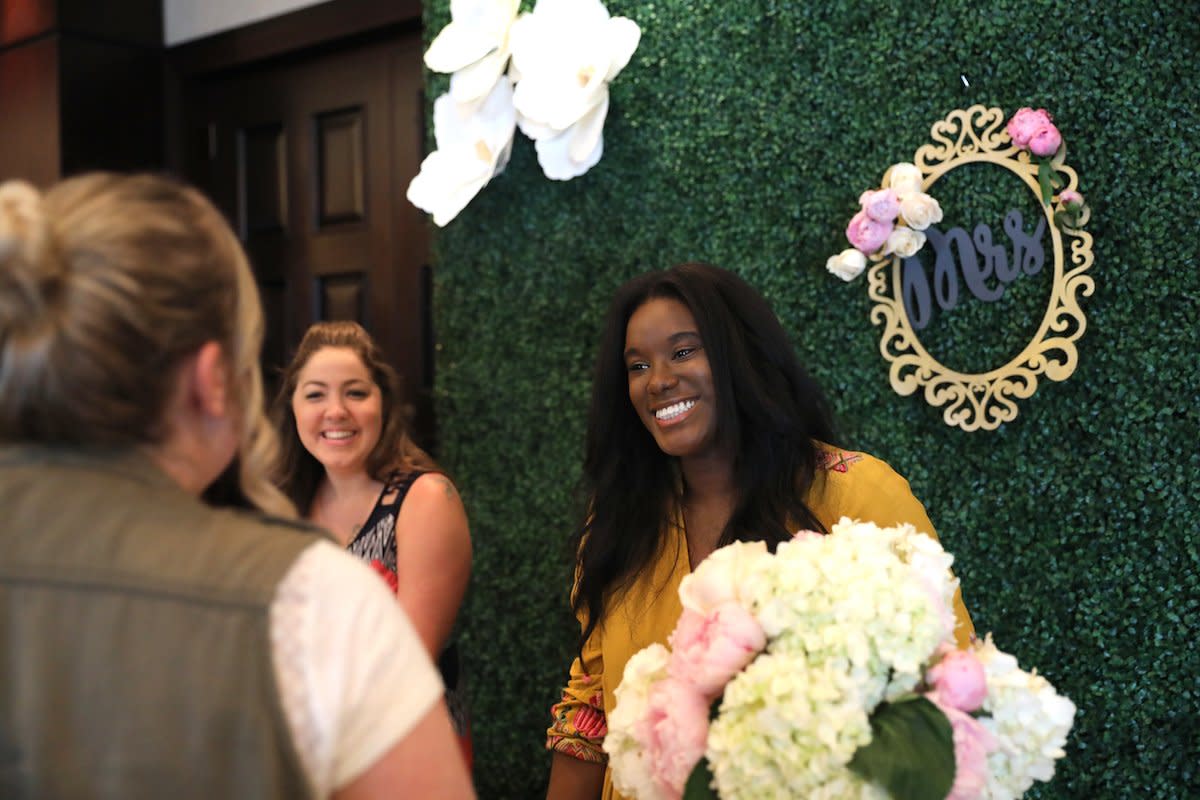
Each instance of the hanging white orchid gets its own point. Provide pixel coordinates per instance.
(569, 51)
(564, 54)
(474, 142)
(474, 46)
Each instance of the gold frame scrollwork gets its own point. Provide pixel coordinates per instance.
(986, 400)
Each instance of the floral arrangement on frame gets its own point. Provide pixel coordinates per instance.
(893, 225)
(546, 72)
(892, 219)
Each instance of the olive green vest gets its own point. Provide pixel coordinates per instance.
(135, 655)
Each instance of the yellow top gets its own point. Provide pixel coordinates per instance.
(847, 484)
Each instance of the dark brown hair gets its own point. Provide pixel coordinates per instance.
(299, 472)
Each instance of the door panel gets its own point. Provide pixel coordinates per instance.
(310, 157)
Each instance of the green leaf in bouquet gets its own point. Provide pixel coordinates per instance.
(911, 753)
(699, 783)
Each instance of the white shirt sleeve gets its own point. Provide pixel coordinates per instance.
(352, 673)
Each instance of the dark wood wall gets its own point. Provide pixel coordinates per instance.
(81, 87)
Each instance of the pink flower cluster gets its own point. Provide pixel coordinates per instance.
(870, 228)
(1034, 131)
(707, 650)
(890, 220)
(958, 686)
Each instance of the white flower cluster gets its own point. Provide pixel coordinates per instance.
(563, 56)
(1029, 720)
(850, 619)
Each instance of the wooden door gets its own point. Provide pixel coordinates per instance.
(310, 156)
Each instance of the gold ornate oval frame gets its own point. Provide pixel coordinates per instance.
(985, 400)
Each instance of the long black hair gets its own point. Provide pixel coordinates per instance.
(770, 414)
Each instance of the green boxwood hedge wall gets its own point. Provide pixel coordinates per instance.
(742, 133)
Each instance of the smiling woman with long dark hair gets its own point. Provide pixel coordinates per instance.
(703, 430)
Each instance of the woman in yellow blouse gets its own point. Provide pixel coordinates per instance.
(703, 430)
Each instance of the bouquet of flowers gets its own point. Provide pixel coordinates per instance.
(827, 670)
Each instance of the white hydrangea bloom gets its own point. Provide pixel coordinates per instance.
(842, 613)
(1029, 720)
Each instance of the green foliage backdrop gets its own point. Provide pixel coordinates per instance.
(742, 133)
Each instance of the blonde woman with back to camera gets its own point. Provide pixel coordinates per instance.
(155, 646)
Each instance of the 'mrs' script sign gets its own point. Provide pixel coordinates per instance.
(956, 265)
(975, 262)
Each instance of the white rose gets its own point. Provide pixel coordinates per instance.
(847, 264)
(904, 242)
(904, 178)
(920, 210)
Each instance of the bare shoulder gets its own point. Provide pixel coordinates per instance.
(433, 504)
(435, 489)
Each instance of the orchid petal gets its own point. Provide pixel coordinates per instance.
(492, 120)
(448, 180)
(623, 36)
(474, 81)
(585, 135)
(556, 99)
(556, 161)
(535, 130)
(457, 46)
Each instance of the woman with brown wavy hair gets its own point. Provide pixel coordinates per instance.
(350, 466)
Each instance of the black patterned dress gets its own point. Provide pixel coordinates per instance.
(375, 544)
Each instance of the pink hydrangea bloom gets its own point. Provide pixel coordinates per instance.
(866, 234)
(709, 649)
(673, 733)
(959, 680)
(882, 205)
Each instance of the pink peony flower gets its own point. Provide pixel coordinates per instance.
(866, 234)
(1025, 123)
(673, 733)
(882, 205)
(709, 649)
(1045, 140)
(972, 743)
(959, 680)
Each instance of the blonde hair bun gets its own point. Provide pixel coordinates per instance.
(22, 224)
